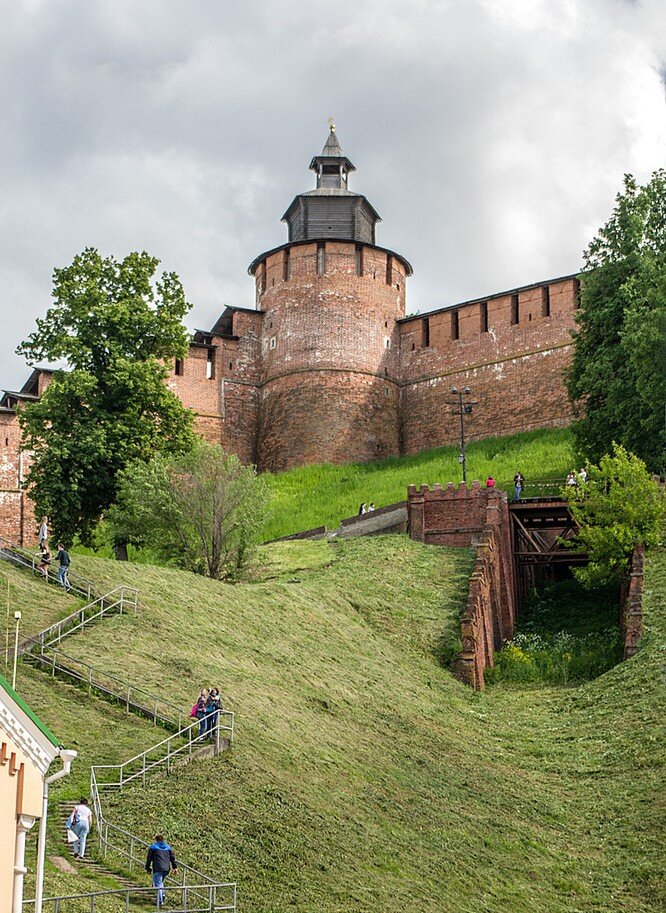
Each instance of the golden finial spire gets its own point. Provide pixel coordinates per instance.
(331, 124)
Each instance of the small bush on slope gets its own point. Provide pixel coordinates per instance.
(364, 778)
(311, 496)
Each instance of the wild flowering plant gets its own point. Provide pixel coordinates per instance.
(556, 659)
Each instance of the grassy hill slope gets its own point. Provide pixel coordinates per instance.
(41, 604)
(323, 494)
(364, 777)
(314, 495)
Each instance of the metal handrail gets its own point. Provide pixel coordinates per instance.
(147, 766)
(120, 596)
(104, 827)
(547, 486)
(210, 890)
(153, 707)
(23, 557)
(129, 843)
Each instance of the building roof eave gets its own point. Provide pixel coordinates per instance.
(257, 260)
(331, 193)
(25, 728)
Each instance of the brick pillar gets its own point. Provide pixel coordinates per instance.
(416, 512)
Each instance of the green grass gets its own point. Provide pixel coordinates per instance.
(319, 495)
(322, 495)
(41, 604)
(565, 634)
(101, 733)
(364, 777)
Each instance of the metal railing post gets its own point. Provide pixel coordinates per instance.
(217, 734)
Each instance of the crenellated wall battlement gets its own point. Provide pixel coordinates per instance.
(328, 368)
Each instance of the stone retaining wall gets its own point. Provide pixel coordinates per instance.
(473, 517)
(631, 621)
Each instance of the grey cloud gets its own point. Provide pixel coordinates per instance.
(490, 135)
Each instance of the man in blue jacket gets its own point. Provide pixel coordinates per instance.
(160, 861)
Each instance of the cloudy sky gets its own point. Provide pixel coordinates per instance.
(490, 135)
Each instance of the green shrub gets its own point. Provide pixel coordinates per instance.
(556, 659)
(566, 634)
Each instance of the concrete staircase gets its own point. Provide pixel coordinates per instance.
(94, 866)
(218, 895)
(380, 522)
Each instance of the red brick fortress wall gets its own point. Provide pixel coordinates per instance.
(17, 517)
(463, 517)
(510, 350)
(220, 383)
(631, 621)
(329, 390)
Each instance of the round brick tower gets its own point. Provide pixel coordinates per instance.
(330, 299)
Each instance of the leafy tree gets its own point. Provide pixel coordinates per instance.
(617, 381)
(617, 507)
(199, 510)
(113, 326)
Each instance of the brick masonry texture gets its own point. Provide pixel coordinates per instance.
(330, 358)
(328, 368)
(514, 370)
(17, 517)
(631, 622)
(480, 517)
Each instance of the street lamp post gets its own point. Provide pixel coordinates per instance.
(463, 407)
(17, 618)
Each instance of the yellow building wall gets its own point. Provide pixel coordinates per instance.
(20, 794)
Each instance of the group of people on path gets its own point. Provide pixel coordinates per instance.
(160, 861)
(518, 485)
(574, 479)
(45, 557)
(207, 710)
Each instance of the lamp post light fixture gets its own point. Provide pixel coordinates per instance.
(17, 619)
(463, 407)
